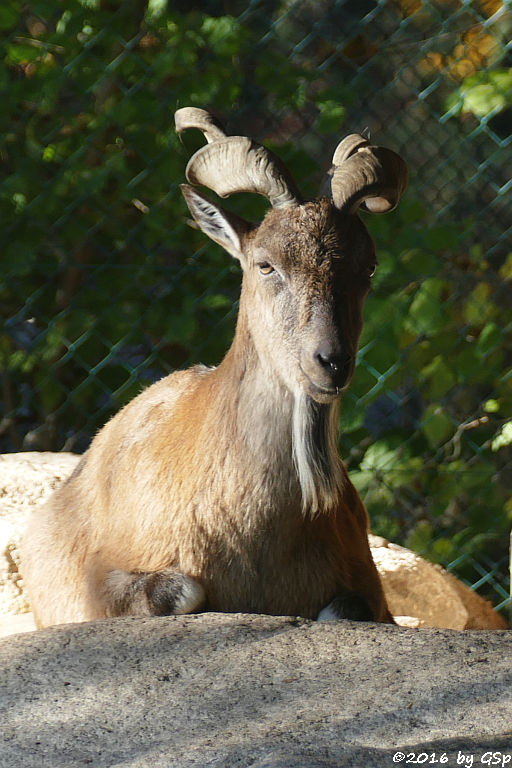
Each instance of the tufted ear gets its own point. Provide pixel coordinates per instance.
(221, 226)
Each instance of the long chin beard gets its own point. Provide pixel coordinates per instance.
(315, 453)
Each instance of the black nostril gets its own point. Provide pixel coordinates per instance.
(329, 362)
(336, 364)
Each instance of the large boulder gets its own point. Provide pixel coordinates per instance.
(427, 593)
(219, 691)
(418, 592)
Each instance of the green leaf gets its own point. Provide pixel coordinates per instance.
(19, 53)
(441, 238)
(62, 23)
(506, 268)
(352, 418)
(331, 116)
(503, 438)
(92, 4)
(216, 301)
(487, 92)
(389, 460)
(155, 9)
(437, 425)
(379, 457)
(412, 210)
(223, 34)
(9, 14)
(443, 550)
(479, 306)
(490, 338)
(420, 539)
(420, 262)
(438, 378)
(427, 310)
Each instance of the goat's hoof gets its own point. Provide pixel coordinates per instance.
(172, 593)
(349, 606)
(159, 593)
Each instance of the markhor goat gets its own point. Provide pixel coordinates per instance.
(221, 489)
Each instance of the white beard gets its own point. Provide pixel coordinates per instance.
(315, 453)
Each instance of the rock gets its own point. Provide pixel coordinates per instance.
(26, 479)
(417, 589)
(418, 592)
(219, 690)
(12, 624)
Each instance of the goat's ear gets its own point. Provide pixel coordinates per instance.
(223, 227)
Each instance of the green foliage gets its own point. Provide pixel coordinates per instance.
(484, 93)
(433, 455)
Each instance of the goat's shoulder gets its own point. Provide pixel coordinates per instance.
(159, 401)
(136, 426)
(166, 392)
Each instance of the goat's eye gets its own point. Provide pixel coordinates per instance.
(265, 268)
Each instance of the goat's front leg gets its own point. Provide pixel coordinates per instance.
(161, 593)
(347, 606)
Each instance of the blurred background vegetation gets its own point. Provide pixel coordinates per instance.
(104, 289)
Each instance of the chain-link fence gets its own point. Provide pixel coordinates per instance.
(104, 289)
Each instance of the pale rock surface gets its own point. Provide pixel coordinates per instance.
(418, 589)
(26, 479)
(238, 691)
(418, 592)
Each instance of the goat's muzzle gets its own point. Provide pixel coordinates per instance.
(328, 370)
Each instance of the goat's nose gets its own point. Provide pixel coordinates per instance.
(335, 363)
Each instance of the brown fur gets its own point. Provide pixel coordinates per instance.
(197, 474)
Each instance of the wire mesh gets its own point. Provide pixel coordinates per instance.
(104, 288)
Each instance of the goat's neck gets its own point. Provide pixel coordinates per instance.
(278, 429)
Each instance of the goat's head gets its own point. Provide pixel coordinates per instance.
(307, 266)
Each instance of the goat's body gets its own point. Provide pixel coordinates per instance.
(241, 531)
(221, 489)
